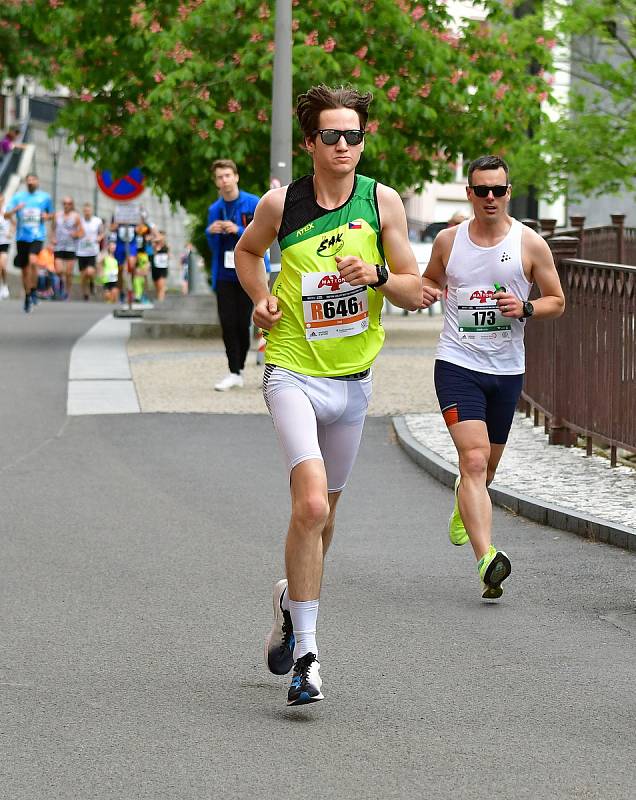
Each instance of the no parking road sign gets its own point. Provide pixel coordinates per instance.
(121, 189)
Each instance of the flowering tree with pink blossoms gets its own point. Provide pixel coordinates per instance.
(170, 85)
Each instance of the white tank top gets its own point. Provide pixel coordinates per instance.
(5, 228)
(475, 334)
(88, 245)
(64, 227)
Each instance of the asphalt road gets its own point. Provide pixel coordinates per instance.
(138, 555)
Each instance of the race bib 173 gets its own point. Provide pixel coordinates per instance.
(477, 314)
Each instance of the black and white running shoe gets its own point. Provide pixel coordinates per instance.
(306, 683)
(279, 645)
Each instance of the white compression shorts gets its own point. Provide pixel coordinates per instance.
(318, 418)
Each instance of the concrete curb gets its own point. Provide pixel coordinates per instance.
(158, 329)
(99, 376)
(565, 519)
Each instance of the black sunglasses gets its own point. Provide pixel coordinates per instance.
(497, 191)
(332, 136)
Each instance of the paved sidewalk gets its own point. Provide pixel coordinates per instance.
(99, 378)
(136, 591)
(559, 475)
(179, 375)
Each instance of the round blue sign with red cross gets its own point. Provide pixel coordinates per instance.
(121, 189)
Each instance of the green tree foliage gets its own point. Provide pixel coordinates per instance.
(593, 144)
(170, 85)
(21, 52)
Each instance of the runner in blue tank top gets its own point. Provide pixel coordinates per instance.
(486, 267)
(31, 209)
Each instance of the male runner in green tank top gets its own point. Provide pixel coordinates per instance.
(336, 229)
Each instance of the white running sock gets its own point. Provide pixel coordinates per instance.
(304, 616)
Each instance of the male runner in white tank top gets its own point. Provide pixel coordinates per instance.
(66, 231)
(486, 267)
(88, 248)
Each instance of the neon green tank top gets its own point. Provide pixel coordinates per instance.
(328, 328)
(110, 269)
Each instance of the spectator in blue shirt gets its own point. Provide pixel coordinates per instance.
(227, 219)
(32, 208)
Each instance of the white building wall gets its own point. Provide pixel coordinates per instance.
(77, 179)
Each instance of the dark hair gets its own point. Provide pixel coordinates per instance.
(225, 163)
(31, 175)
(322, 98)
(487, 162)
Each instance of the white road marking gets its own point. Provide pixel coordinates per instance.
(100, 381)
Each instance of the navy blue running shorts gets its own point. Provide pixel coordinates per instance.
(465, 394)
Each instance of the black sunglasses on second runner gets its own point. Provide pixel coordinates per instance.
(332, 135)
(497, 191)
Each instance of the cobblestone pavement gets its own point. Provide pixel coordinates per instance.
(179, 375)
(559, 475)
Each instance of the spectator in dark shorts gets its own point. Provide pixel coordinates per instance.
(6, 234)
(66, 231)
(88, 248)
(31, 208)
(160, 265)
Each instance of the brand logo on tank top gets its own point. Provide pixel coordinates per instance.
(305, 230)
(333, 281)
(505, 257)
(483, 295)
(330, 245)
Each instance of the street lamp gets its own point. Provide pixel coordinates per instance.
(55, 148)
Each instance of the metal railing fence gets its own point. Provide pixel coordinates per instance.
(581, 368)
(612, 244)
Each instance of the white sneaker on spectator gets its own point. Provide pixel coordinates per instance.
(229, 382)
(4, 292)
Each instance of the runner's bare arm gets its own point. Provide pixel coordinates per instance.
(249, 252)
(78, 232)
(10, 213)
(538, 266)
(403, 286)
(434, 277)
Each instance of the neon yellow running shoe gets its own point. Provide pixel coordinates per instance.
(493, 570)
(456, 530)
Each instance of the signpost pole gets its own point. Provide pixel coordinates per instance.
(127, 215)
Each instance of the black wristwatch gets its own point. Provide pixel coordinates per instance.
(383, 276)
(528, 310)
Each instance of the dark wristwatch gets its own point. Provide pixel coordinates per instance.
(528, 310)
(383, 276)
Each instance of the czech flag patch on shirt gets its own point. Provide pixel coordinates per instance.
(356, 225)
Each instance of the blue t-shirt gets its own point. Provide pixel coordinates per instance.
(31, 226)
(241, 212)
